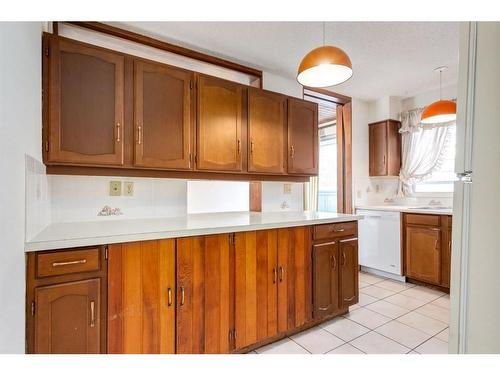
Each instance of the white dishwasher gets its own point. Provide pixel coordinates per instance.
(379, 237)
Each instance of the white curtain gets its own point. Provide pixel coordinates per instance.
(422, 150)
(311, 194)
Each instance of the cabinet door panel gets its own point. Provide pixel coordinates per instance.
(162, 109)
(294, 278)
(423, 254)
(446, 259)
(256, 286)
(348, 253)
(67, 318)
(141, 309)
(86, 104)
(267, 132)
(326, 266)
(204, 296)
(302, 137)
(220, 121)
(378, 149)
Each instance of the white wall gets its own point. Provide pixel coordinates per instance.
(275, 199)
(217, 196)
(20, 133)
(284, 85)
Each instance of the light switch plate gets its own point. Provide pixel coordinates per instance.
(115, 188)
(128, 189)
(287, 188)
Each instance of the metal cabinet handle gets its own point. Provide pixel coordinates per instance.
(343, 259)
(449, 245)
(274, 275)
(251, 147)
(436, 245)
(92, 313)
(183, 296)
(139, 134)
(169, 296)
(292, 151)
(349, 299)
(339, 229)
(281, 270)
(239, 146)
(118, 132)
(333, 261)
(69, 263)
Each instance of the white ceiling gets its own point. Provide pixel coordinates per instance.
(389, 58)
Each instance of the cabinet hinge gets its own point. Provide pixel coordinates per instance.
(191, 85)
(196, 159)
(232, 239)
(106, 253)
(33, 308)
(190, 159)
(46, 51)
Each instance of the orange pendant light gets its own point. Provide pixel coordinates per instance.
(441, 111)
(324, 66)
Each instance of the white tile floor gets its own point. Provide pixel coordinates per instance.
(390, 318)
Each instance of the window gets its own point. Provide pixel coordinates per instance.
(327, 181)
(442, 180)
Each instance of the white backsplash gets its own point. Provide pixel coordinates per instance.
(217, 196)
(80, 198)
(38, 204)
(275, 199)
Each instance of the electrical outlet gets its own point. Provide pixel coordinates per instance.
(287, 188)
(128, 189)
(115, 188)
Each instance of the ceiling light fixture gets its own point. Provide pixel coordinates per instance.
(324, 66)
(441, 111)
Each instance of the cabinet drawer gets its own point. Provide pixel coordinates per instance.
(325, 231)
(66, 262)
(422, 219)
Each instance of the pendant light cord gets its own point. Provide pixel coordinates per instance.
(324, 26)
(440, 86)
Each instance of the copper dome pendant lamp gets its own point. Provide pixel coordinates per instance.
(440, 111)
(324, 66)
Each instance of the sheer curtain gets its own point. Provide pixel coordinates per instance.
(311, 194)
(422, 150)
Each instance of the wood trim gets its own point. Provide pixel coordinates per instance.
(335, 97)
(340, 159)
(130, 172)
(255, 196)
(168, 47)
(347, 150)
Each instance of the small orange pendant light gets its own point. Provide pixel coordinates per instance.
(441, 111)
(324, 66)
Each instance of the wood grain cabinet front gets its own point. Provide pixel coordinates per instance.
(384, 148)
(267, 131)
(205, 290)
(163, 114)
(348, 257)
(141, 303)
(220, 124)
(85, 112)
(326, 292)
(303, 137)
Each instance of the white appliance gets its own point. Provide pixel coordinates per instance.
(379, 238)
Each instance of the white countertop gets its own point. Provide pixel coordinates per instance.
(65, 235)
(408, 209)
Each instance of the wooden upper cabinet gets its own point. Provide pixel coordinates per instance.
(326, 266)
(141, 297)
(384, 148)
(220, 124)
(256, 286)
(86, 104)
(294, 278)
(348, 254)
(423, 253)
(266, 132)
(162, 116)
(205, 289)
(302, 137)
(67, 318)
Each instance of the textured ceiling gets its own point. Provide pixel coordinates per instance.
(389, 58)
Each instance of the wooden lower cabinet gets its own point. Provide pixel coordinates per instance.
(55, 333)
(348, 255)
(427, 248)
(66, 302)
(326, 279)
(141, 302)
(205, 289)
